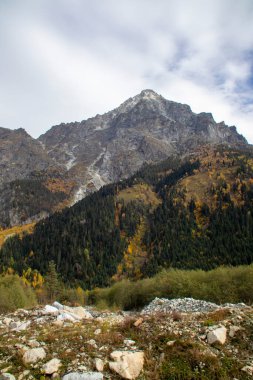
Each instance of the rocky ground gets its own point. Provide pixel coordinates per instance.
(169, 339)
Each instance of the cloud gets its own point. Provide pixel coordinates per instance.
(65, 61)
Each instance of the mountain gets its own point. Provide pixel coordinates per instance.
(189, 213)
(144, 129)
(71, 160)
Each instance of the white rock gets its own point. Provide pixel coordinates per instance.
(24, 374)
(92, 343)
(217, 336)
(127, 364)
(97, 331)
(33, 355)
(78, 312)
(83, 376)
(51, 367)
(67, 317)
(58, 305)
(7, 321)
(23, 326)
(58, 322)
(33, 343)
(171, 343)
(99, 364)
(129, 342)
(248, 369)
(7, 376)
(48, 309)
(233, 330)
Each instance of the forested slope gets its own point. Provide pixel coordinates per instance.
(190, 213)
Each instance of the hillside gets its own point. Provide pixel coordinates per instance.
(68, 162)
(191, 213)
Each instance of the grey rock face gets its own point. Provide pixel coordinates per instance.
(106, 148)
(146, 128)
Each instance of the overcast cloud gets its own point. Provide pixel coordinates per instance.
(67, 60)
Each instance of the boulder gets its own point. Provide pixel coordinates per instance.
(83, 376)
(99, 365)
(78, 312)
(58, 305)
(218, 335)
(127, 364)
(67, 317)
(51, 367)
(33, 355)
(48, 309)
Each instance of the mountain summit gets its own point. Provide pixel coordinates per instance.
(145, 128)
(71, 160)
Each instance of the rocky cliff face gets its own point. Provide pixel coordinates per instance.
(20, 155)
(146, 128)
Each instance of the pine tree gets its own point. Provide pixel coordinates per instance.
(52, 282)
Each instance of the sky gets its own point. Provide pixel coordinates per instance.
(67, 60)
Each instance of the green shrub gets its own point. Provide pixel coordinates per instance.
(14, 294)
(220, 285)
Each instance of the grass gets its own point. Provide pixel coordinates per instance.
(140, 192)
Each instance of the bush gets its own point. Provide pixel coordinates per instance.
(220, 285)
(14, 294)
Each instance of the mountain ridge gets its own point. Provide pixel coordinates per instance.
(83, 156)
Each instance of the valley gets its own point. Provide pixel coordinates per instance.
(139, 223)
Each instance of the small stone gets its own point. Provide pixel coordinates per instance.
(83, 376)
(58, 323)
(33, 343)
(127, 364)
(129, 342)
(217, 336)
(171, 343)
(52, 366)
(99, 365)
(92, 343)
(248, 369)
(55, 375)
(233, 330)
(33, 355)
(97, 331)
(138, 322)
(82, 368)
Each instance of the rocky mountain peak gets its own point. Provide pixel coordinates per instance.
(146, 128)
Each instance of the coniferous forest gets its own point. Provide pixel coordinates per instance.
(159, 218)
